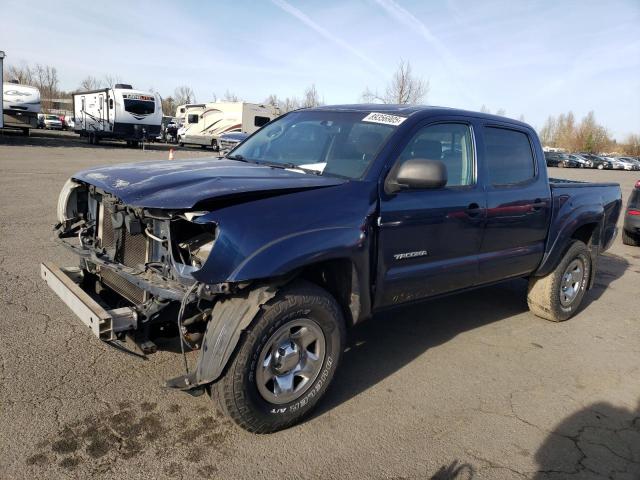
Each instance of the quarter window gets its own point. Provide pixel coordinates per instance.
(449, 143)
(192, 118)
(508, 156)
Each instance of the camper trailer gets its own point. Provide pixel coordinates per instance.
(119, 113)
(20, 106)
(204, 123)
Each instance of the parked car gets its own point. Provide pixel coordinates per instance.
(627, 163)
(601, 163)
(582, 162)
(631, 226)
(635, 164)
(561, 160)
(52, 122)
(263, 259)
(229, 141)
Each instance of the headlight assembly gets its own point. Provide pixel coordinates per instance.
(67, 202)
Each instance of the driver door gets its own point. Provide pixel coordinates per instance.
(429, 239)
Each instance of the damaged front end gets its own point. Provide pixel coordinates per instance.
(134, 282)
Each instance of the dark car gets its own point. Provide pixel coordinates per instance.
(631, 227)
(264, 259)
(598, 162)
(560, 160)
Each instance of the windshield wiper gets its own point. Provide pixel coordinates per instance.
(240, 158)
(293, 166)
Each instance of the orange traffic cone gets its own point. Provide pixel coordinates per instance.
(171, 157)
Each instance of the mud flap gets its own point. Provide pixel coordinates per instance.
(228, 319)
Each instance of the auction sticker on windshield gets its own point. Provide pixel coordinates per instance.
(376, 117)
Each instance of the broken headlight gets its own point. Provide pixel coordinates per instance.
(199, 248)
(67, 202)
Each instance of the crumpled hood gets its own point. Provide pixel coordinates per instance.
(182, 184)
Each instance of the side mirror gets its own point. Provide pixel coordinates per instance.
(417, 173)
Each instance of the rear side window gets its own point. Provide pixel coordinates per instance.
(508, 156)
(192, 118)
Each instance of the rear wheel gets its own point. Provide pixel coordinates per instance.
(558, 295)
(600, 167)
(630, 239)
(285, 362)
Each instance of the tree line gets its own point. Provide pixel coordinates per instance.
(404, 87)
(587, 135)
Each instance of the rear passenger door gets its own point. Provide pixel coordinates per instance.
(518, 203)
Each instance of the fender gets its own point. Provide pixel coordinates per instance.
(564, 225)
(230, 316)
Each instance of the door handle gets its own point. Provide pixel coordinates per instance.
(538, 204)
(473, 210)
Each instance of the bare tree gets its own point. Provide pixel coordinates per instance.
(230, 97)
(311, 97)
(89, 83)
(110, 81)
(501, 112)
(587, 136)
(169, 106)
(183, 95)
(21, 74)
(45, 77)
(404, 88)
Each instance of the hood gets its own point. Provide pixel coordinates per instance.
(181, 185)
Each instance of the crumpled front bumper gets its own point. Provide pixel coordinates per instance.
(104, 324)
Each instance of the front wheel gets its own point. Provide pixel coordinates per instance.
(557, 295)
(600, 167)
(285, 362)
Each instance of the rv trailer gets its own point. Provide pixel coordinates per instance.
(204, 123)
(20, 106)
(1, 84)
(117, 113)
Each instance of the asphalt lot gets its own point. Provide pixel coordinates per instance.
(471, 386)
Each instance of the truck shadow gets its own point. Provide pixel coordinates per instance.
(389, 341)
(600, 440)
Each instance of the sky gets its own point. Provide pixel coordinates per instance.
(530, 58)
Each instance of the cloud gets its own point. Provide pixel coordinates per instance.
(405, 17)
(296, 13)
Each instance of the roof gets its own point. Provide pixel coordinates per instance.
(408, 110)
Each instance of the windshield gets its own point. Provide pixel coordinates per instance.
(330, 143)
(139, 107)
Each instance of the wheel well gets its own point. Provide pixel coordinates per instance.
(584, 233)
(340, 279)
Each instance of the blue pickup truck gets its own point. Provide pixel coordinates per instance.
(262, 260)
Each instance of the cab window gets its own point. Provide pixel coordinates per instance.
(450, 143)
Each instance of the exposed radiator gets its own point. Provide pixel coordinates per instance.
(132, 253)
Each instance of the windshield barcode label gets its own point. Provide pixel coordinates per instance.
(376, 117)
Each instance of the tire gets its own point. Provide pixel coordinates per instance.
(247, 391)
(557, 296)
(560, 165)
(600, 167)
(630, 239)
(25, 132)
(92, 139)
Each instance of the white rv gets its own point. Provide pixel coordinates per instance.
(120, 112)
(204, 123)
(20, 106)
